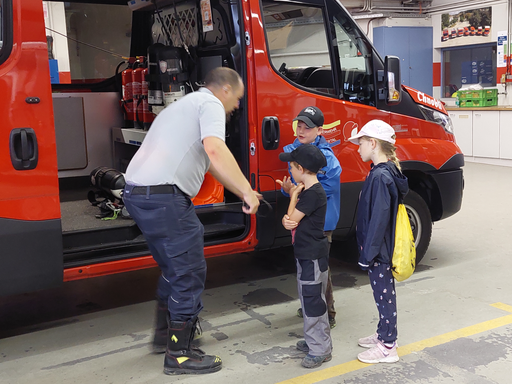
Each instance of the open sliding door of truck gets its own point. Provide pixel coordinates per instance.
(30, 226)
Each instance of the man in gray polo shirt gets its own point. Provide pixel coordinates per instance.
(185, 141)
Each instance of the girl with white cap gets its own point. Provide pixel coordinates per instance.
(384, 188)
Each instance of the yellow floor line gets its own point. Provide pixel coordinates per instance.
(354, 365)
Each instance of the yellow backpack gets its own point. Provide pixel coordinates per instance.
(404, 254)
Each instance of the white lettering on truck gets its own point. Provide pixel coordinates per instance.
(428, 100)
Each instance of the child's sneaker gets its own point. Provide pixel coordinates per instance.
(315, 361)
(302, 346)
(369, 342)
(379, 354)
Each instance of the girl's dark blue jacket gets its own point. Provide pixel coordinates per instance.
(384, 188)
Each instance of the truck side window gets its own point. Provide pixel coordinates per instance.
(297, 44)
(98, 36)
(355, 62)
(1, 25)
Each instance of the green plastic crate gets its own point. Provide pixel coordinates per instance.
(469, 103)
(492, 92)
(468, 95)
(478, 94)
(490, 102)
(484, 102)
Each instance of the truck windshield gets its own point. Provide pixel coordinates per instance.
(88, 40)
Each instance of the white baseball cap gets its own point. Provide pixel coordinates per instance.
(377, 129)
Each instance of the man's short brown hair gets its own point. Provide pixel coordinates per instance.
(221, 76)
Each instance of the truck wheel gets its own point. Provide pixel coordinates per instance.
(421, 222)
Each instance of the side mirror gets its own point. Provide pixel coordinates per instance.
(392, 80)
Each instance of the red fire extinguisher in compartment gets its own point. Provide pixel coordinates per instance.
(137, 92)
(147, 115)
(127, 95)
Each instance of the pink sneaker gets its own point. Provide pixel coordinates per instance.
(379, 354)
(369, 342)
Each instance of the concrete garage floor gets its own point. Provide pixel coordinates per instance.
(454, 313)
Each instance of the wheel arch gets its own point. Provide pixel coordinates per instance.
(425, 186)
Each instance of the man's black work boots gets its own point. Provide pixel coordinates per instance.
(181, 358)
(159, 344)
(161, 326)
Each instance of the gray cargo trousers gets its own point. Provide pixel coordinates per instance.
(312, 278)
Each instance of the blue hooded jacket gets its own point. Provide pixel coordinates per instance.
(330, 180)
(384, 188)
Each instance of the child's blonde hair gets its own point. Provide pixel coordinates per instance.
(387, 149)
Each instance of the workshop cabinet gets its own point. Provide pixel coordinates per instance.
(506, 134)
(486, 134)
(463, 129)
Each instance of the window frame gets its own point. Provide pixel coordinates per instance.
(7, 30)
(332, 9)
(311, 3)
(458, 48)
(112, 83)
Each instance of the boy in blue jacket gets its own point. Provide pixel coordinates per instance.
(309, 131)
(384, 188)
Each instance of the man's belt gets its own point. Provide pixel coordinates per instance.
(165, 189)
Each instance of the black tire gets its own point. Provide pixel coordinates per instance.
(421, 223)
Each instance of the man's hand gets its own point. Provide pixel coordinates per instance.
(286, 183)
(289, 224)
(252, 201)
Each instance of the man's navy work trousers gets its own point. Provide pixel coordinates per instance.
(174, 235)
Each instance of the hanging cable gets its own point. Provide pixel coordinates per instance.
(185, 46)
(89, 45)
(179, 28)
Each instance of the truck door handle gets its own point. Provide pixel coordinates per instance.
(270, 132)
(23, 148)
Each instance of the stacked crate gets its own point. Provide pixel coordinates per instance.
(478, 98)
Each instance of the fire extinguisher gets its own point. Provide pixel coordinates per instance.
(137, 92)
(147, 115)
(127, 94)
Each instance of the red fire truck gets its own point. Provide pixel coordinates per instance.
(445, 35)
(289, 54)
